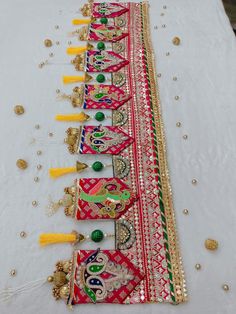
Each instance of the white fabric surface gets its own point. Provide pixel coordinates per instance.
(205, 66)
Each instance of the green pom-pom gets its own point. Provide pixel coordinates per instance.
(100, 78)
(104, 20)
(99, 116)
(101, 46)
(97, 166)
(97, 235)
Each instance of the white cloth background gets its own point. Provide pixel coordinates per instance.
(205, 66)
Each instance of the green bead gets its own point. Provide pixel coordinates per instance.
(100, 78)
(97, 235)
(101, 46)
(99, 116)
(97, 166)
(104, 20)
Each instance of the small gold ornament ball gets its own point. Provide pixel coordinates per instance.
(64, 292)
(47, 43)
(50, 279)
(21, 164)
(23, 234)
(19, 109)
(178, 124)
(225, 287)
(198, 266)
(185, 136)
(176, 41)
(185, 211)
(211, 244)
(13, 272)
(194, 181)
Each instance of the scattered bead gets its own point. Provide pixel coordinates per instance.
(194, 181)
(36, 179)
(97, 236)
(57, 43)
(164, 6)
(51, 54)
(19, 110)
(174, 78)
(34, 203)
(198, 266)
(58, 91)
(176, 41)
(13, 272)
(225, 287)
(50, 134)
(39, 167)
(167, 54)
(99, 116)
(56, 26)
(176, 97)
(163, 25)
(47, 43)
(211, 244)
(185, 211)
(37, 126)
(21, 164)
(41, 65)
(50, 279)
(185, 136)
(69, 42)
(39, 152)
(97, 166)
(178, 124)
(155, 27)
(23, 234)
(159, 75)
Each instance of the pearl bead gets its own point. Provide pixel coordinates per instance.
(185, 211)
(34, 203)
(198, 266)
(185, 136)
(178, 124)
(56, 26)
(39, 152)
(225, 287)
(194, 181)
(23, 234)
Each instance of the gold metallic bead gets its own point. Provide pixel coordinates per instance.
(185, 136)
(176, 97)
(51, 54)
(66, 266)
(225, 287)
(162, 14)
(164, 7)
(21, 164)
(47, 43)
(174, 78)
(13, 272)
(64, 292)
(50, 279)
(178, 124)
(37, 126)
(211, 244)
(34, 203)
(36, 179)
(185, 211)
(23, 234)
(198, 266)
(39, 152)
(19, 109)
(176, 41)
(59, 278)
(159, 75)
(57, 43)
(194, 181)
(39, 167)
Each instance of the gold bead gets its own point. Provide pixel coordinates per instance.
(225, 287)
(13, 272)
(47, 43)
(176, 41)
(174, 78)
(36, 179)
(59, 278)
(34, 203)
(37, 126)
(194, 181)
(176, 97)
(21, 164)
(211, 244)
(185, 211)
(185, 136)
(178, 124)
(39, 167)
(39, 152)
(50, 279)
(19, 109)
(23, 234)
(198, 266)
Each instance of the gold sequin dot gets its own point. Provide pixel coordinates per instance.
(178, 124)
(39, 152)
(34, 203)
(176, 97)
(185, 211)
(176, 41)
(47, 43)
(185, 136)
(159, 75)
(19, 110)
(51, 54)
(36, 179)
(21, 164)
(225, 287)
(211, 244)
(39, 167)
(198, 266)
(58, 91)
(37, 126)
(194, 181)
(174, 78)
(13, 272)
(57, 43)
(23, 234)
(56, 26)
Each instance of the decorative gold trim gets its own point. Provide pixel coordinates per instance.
(73, 139)
(174, 251)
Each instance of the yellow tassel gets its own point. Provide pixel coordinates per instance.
(81, 21)
(76, 117)
(58, 172)
(76, 50)
(73, 79)
(52, 238)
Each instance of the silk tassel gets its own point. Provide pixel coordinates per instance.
(76, 79)
(58, 172)
(53, 238)
(76, 117)
(81, 21)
